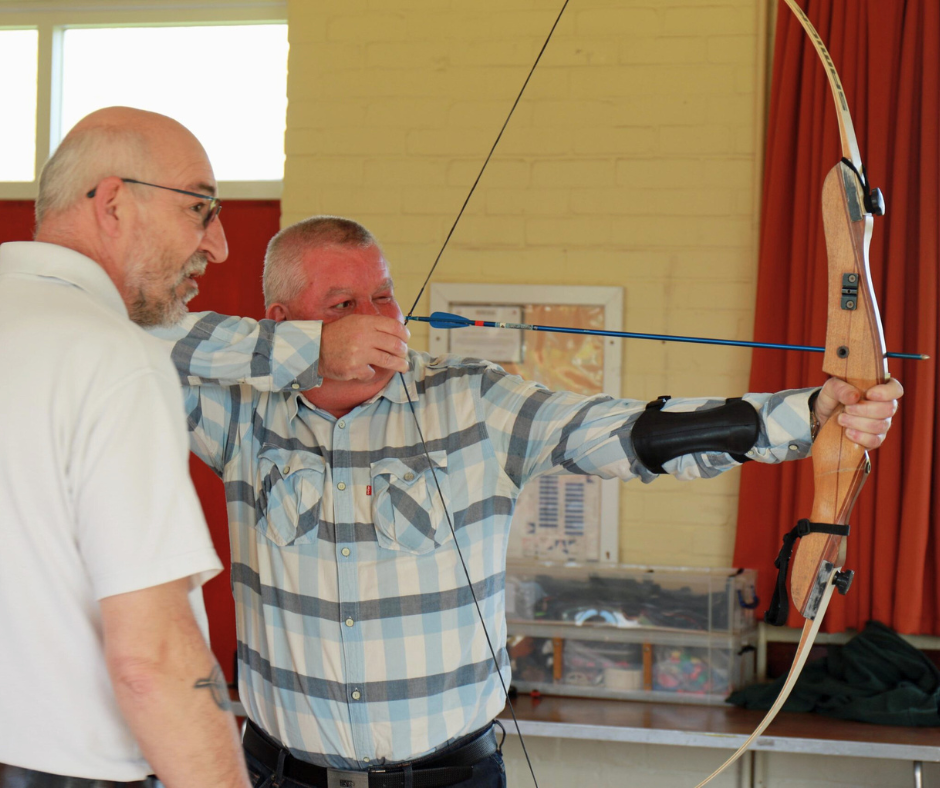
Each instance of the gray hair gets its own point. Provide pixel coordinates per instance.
(284, 275)
(83, 159)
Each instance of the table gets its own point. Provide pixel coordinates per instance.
(724, 727)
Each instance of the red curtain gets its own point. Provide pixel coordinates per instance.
(233, 288)
(888, 57)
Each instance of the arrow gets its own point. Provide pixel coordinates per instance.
(446, 320)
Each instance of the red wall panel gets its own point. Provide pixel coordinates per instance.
(16, 220)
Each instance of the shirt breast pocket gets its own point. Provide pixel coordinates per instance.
(290, 492)
(406, 507)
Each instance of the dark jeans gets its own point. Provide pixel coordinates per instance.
(488, 773)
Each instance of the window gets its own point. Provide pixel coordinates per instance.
(226, 84)
(18, 57)
(219, 67)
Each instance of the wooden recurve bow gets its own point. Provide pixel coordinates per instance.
(855, 352)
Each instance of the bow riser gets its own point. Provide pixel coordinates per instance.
(854, 352)
(818, 556)
(855, 345)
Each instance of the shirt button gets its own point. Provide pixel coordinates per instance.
(342, 425)
(409, 476)
(366, 760)
(345, 551)
(295, 385)
(356, 695)
(349, 622)
(287, 469)
(341, 486)
(794, 447)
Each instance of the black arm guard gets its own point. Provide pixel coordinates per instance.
(660, 436)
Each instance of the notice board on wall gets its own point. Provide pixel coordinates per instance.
(557, 517)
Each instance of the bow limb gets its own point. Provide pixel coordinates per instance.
(846, 127)
(810, 630)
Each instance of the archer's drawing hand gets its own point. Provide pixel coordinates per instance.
(352, 347)
(866, 416)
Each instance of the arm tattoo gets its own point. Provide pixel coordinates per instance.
(215, 683)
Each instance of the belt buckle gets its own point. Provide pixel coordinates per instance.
(337, 778)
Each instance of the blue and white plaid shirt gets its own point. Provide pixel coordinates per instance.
(358, 641)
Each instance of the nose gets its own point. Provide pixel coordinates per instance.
(214, 244)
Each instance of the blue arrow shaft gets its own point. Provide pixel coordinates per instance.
(445, 320)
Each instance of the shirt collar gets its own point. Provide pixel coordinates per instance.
(33, 258)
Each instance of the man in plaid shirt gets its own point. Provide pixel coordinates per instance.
(362, 659)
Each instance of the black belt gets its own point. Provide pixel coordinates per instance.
(18, 777)
(449, 767)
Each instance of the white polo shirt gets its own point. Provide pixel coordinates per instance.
(95, 500)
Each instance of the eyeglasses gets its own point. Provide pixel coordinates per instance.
(214, 203)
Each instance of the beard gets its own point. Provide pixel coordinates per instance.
(155, 297)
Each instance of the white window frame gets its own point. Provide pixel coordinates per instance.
(53, 18)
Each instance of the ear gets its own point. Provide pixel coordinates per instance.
(277, 312)
(111, 205)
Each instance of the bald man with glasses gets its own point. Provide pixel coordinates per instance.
(105, 549)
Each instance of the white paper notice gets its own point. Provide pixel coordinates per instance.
(557, 518)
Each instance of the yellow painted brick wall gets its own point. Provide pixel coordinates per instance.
(632, 160)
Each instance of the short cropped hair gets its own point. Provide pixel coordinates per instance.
(85, 158)
(284, 275)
